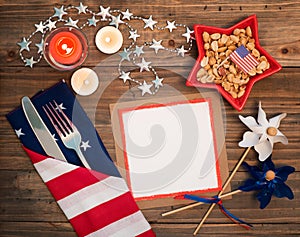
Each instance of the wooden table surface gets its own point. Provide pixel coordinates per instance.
(27, 207)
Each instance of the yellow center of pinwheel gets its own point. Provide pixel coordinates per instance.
(270, 175)
(272, 131)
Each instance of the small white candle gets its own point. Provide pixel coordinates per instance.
(84, 81)
(109, 40)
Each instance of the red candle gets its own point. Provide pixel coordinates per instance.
(65, 48)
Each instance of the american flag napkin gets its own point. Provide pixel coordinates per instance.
(243, 59)
(97, 202)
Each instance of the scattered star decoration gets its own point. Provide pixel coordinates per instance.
(85, 145)
(19, 132)
(116, 18)
(263, 133)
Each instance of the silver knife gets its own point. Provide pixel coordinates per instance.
(41, 131)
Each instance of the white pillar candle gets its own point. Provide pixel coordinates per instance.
(84, 81)
(109, 40)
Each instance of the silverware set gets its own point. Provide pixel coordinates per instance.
(64, 127)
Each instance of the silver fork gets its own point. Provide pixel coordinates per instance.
(66, 130)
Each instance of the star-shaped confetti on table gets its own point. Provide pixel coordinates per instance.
(156, 45)
(125, 55)
(72, 23)
(144, 65)
(29, 62)
(138, 50)
(81, 8)
(51, 25)
(93, 21)
(157, 82)
(115, 21)
(24, 45)
(104, 12)
(187, 34)
(126, 15)
(40, 46)
(149, 23)
(59, 12)
(171, 26)
(133, 35)
(40, 27)
(125, 76)
(181, 51)
(239, 102)
(145, 88)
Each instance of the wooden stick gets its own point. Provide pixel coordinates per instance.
(223, 189)
(197, 204)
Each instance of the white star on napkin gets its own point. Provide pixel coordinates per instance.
(85, 145)
(19, 132)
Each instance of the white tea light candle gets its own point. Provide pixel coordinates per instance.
(84, 81)
(109, 40)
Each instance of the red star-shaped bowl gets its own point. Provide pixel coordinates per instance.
(239, 102)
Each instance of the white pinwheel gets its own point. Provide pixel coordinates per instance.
(263, 133)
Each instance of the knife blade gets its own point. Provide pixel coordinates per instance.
(41, 131)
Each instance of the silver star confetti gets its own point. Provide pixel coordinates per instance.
(157, 82)
(144, 65)
(116, 21)
(125, 55)
(133, 35)
(29, 62)
(138, 50)
(72, 23)
(187, 35)
(171, 26)
(149, 23)
(145, 88)
(59, 12)
(24, 45)
(104, 12)
(60, 107)
(126, 15)
(81, 8)
(51, 25)
(92, 21)
(40, 27)
(156, 45)
(125, 76)
(40, 46)
(181, 51)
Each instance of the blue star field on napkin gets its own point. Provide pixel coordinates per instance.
(91, 146)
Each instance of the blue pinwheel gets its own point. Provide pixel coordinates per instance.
(269, 180)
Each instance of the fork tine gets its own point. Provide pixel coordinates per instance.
(65, 116)
(59, 130)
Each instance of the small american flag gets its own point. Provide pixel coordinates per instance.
(243, 59)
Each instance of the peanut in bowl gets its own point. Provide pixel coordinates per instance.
(213, 69)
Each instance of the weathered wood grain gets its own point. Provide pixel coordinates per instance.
(26, 206)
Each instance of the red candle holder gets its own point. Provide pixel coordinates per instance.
(65, 48)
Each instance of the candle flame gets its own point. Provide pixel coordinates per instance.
(107, 39)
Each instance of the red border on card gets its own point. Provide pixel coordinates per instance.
(192, 101)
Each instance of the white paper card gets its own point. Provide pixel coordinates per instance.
(169, 149)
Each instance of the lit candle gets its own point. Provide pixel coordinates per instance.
(65, 48)
(84, 81)
(109, 40)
